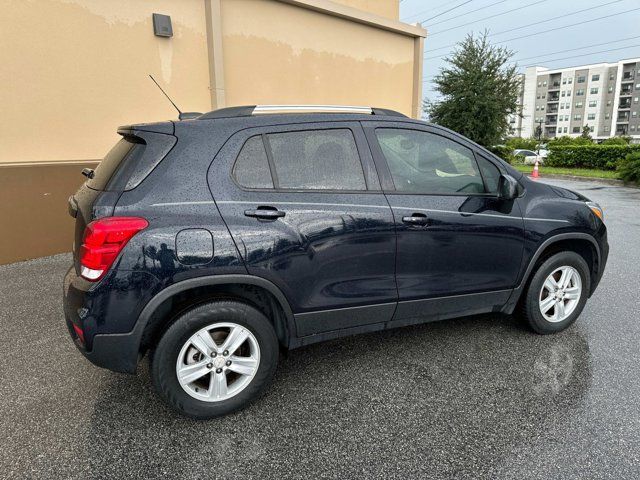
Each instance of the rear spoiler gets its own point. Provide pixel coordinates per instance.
(166, 128)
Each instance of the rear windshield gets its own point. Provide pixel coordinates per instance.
(130, 148)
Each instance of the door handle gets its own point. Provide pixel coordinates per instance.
(265, 213)
(417, 219)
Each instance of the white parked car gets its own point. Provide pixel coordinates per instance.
(530, 156)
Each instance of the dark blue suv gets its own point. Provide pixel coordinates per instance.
(214, 242)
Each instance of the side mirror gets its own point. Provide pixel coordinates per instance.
(507, 187)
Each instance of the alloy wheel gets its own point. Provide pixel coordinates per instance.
(560, 294)
(218, 362)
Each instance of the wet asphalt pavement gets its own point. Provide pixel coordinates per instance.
(480, 397)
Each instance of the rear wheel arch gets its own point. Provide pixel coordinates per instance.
(174, 300)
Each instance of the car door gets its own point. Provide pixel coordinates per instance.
(459, 245)
(304, 206)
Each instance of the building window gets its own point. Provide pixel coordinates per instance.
(564, 130)
(608, 103)
(591, 116)
(612, 76)
(544, 95)
(594, 90)
(537, 108)
(564, 81)
(539, 84)
(635, 100)
(637, 86)
(576, 129)
(593, 103)
(610, 89)
(544, 84)
(538, 97)
(606, 128)
(559, 129)
(568, 93)
(570, 81)
(579, 92)
(577, 116)
(591, 129)
(607, 116)
(578, 104)
(581, 79)
(564, 93)
(595, 78)
(632, 128)
(634, 114)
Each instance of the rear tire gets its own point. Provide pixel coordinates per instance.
(556, 293)
(215, 359)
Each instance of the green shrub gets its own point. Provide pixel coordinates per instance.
(567, 140)
(516, 143)
(629, 168)
(603, 157)
(617, 141)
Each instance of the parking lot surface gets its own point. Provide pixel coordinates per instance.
(479, 397)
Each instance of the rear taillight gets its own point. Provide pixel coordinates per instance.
(102, 241)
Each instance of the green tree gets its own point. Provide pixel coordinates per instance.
(586, 132)
(479, 88)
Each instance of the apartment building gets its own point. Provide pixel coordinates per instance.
(605, 97)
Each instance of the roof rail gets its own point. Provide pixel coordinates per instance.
(248, 110)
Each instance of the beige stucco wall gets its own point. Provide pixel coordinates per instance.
(384, 8)
(283, 53)
(73, 70)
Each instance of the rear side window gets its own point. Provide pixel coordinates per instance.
(316, 160)
(426, 163)
(130, 148)
(251, 169)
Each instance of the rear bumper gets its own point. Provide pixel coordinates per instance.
(97, 311)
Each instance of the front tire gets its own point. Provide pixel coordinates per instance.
(557, 293)
(214, 359)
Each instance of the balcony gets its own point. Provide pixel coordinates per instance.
(552, 121)
(622, 129)
(626, 91)
(623, 117)
(554, 86)
(624, 103)
(551, 98)
(552, 109)
(628, 76)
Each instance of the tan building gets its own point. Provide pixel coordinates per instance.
(74, 70)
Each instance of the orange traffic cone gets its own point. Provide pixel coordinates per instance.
(535, 174)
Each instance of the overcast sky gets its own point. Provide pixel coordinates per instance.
(599, 26)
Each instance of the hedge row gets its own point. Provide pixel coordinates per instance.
(603, 157)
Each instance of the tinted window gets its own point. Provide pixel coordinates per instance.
(317, 160)
(125, 148)
(251, 169)
(490, 173)
(422, 162)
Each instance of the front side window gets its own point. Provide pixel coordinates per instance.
(426, 163)
(317, 160)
